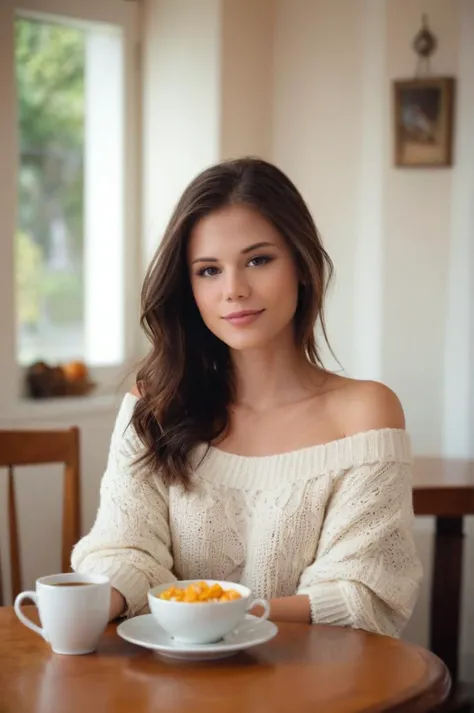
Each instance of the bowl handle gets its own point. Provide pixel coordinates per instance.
(265, 606)
(248, 626)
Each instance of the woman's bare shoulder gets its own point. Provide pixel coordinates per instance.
(135, 391)
(359, 405)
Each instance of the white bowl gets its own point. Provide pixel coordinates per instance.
(201, 622)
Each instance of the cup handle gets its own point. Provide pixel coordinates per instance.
(24, 619)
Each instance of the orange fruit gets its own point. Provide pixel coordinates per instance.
(75, 371)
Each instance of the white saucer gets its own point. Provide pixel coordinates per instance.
(145, 631)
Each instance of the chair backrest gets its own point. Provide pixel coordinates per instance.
(23, 448)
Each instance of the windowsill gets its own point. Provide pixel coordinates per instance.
(27, 409)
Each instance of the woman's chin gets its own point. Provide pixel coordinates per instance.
(252, 337)
(245, 342)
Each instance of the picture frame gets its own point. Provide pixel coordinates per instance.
(423, 121)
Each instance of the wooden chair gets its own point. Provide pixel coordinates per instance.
(27, 448)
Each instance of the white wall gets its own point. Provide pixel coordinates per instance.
(410, 230)
(246, 78)
(181, 103)
(458, 433)
(208, 71)
(317, 103)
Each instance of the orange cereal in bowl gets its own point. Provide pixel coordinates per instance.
(226, 606)
(199, 592)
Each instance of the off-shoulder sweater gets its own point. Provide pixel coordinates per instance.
(333, 522)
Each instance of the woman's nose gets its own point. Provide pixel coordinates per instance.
(236, 286)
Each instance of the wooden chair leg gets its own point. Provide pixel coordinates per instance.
(15, 564)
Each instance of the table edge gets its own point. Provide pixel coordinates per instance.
(428, 699)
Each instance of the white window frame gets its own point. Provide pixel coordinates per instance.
(126, 14)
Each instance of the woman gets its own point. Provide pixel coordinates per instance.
(238, 456)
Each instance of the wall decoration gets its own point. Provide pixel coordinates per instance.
(424, 121)
(424, 110)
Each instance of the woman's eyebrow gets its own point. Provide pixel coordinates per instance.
(249, 249)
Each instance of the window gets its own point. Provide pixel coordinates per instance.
(70, 277)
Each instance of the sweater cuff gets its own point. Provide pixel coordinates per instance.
(328, 604)
(130, 582)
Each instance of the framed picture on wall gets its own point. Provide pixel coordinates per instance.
(424, 115)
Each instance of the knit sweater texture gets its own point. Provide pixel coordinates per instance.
(332, 521)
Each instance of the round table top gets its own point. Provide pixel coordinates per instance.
(304, 668)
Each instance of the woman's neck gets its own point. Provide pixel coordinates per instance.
(273, 376)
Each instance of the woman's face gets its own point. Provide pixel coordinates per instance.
(243, 276)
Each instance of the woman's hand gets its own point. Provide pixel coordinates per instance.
(295, 609)
(117, 604)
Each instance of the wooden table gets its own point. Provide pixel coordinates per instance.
(307, 669)
(444, 488)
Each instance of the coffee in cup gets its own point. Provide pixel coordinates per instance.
(71, 584)
(73, 609)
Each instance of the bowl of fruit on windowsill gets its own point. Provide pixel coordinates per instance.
(43, 380)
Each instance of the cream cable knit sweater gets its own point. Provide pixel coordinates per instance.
(332, 521)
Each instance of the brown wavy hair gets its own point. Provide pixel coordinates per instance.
(186, 381)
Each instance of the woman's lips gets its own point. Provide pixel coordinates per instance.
(243, 318)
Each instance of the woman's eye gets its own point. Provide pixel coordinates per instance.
(212, 270)
(260, 260)
(208, 272)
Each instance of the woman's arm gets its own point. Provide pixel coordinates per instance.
(117, 604)
(369, 582)
(295, 610)
(130, 540)
(367, 571)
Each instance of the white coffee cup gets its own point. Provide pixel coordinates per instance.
(73, 609)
